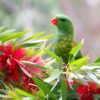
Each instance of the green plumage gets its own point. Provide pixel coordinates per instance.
(64, 41)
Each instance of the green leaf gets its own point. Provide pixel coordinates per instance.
(52, 77)
(32, 71)
(7, 37)
(60, 64)
(29, 98)
(42, 50)
(34, 36)
(14, 95)
(26, 72)
(24, 93)
(47, 37)
(5, 97)
(52, 54)
(97, 60)
(41, 94)
(90, 67)
(75, 50)
(8, 31)
(40, 67)
(50, 62)
(92, 76)
(45, 87)
(30, 52)
(13, 45)
(2, 29)
(33, 43)
(2, 85)
(97, 96)
(63, 89)
(77, 64)
(94, 64)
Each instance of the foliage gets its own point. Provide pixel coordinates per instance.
(25, 75)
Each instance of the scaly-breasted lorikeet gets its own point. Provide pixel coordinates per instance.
(64, 39)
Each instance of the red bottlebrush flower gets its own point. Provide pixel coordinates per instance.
(29, 84)
(97, 90)
(10, 65)
(87, 97)
(87, 91)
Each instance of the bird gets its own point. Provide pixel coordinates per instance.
(64, 38)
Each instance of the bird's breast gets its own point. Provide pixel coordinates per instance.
(62, 46)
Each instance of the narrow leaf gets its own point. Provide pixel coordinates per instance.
(97, 60)
(7, 37)
(76, 62)
(52, 77)
(8, 31)
(2, 29)
(45, 87)
(23, 93)
(94, 64)
(53, 55)
(75, 50)
(79, 63)
(40, 67)
(33, 43)
(34, 36)
(47, 37)
(92, 76)
(14, 95)
(63, 89)
(97, 96)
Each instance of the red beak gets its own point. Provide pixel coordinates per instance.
(54, 21)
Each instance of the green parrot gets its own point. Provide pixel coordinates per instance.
(64, 39)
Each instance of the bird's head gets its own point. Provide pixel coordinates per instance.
(63, 24)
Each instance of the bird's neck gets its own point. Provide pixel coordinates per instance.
(65, 34)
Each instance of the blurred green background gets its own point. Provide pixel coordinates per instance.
(36, 15)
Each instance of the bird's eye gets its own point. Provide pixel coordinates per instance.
(63, 20)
